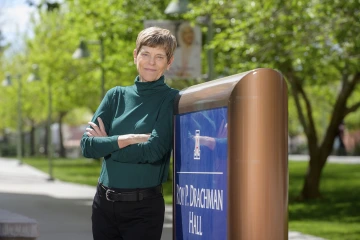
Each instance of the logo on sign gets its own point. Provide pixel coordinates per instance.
(197, 145)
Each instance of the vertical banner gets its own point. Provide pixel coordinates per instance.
(201, 175)
(187, 56)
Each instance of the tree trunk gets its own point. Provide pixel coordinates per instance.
(23, 148)
(46, 145)
(32, 140)
(62, 152)
(311, 188)
(5, 141)
(318, 157)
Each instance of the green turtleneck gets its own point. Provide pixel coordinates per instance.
(145, 107)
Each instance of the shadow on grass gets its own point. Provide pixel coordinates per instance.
(340, 188)
(340, 205)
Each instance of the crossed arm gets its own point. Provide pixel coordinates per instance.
(122, 140)
(129, 148)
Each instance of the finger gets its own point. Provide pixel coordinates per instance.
(91, 131)
(102, 127)
(94, 126)
(89, 134)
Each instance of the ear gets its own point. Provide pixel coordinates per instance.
(135, 55)
(170, 62)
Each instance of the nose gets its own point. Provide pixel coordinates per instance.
(152, 60)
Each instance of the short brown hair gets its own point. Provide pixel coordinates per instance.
(157, 37)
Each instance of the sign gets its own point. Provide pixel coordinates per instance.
(201, 175)
(187, 55)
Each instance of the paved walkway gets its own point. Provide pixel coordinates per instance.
(331, 159)
(24, 179)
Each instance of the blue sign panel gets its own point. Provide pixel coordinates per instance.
(201, 175)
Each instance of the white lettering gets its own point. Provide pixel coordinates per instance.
(181, 195)
(200, 197)
(215, 200)
(191, 223)
(205, 199)
(210, 196)
(220, 200)
(195, 224)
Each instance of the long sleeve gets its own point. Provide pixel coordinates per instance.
(96, 147)
(159, 143)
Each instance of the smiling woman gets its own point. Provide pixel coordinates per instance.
(132, 130)
(151, 63)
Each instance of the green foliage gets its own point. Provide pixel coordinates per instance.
(78, 116)
(118, 23)
(74, 84)
(352, 121)
(313, 43)
(317, 41)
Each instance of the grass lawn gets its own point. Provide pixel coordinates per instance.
(82, 171)
(336, 216)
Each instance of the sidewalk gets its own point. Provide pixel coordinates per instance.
(24, 179)
(331, 159)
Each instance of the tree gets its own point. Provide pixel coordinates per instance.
(76, 84)
(117, 23)
(316, 46)
(51, 50)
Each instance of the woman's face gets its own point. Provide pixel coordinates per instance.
(188, 35)
(151, 63)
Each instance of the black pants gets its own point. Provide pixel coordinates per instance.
(136, 220)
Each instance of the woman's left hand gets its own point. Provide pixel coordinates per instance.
(96, 131)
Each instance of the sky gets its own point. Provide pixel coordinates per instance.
(14, 20)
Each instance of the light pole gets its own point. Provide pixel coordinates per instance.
(7, 82)
(180, 6)
(83, 52)
(206, 20)
(34, 76)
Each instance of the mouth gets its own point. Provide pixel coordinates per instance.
(149, 69)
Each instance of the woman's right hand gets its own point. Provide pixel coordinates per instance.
(96, 131)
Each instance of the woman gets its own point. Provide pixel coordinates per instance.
(133, 130)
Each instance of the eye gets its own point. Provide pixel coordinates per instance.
(160, 57)
(144, 54)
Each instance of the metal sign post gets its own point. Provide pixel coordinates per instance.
(230, 159)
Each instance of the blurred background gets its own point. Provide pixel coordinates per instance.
(58, 58)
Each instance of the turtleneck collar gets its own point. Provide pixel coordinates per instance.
(145, 88)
